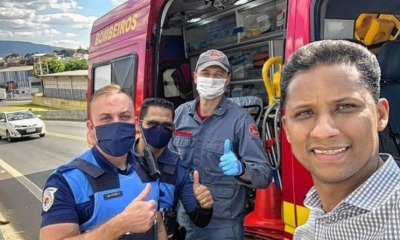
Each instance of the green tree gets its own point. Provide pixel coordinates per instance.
(81, 50)
(67, 52)
(30, 61)
(12, 55)
(55, 65)
(76, 64)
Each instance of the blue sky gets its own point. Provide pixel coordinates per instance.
(61, 23)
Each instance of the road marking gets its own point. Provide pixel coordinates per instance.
(66, 136)
(28, 184)
(8, 232)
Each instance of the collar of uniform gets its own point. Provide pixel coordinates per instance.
(369, 195)
(219, 110)
(166, 157)
(377, 188)
(192, 106)
(134, 148)
(104, 163)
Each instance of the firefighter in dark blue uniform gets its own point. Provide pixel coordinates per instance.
(104, 193)
(177, 180)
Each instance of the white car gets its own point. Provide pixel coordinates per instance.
(20, 124)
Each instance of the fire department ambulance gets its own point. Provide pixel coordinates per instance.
(150, 48)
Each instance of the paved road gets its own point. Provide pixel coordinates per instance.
(24, 167)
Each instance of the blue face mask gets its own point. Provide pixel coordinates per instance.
(157, 137)
(115, 139)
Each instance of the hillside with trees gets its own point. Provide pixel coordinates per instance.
(59, 60)
(23, 48)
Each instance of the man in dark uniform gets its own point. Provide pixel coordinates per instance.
(220, 140)
(176, 181)
(104, 193)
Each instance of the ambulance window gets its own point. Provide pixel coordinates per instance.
(370, 22)
(121, 71)
(338, 29)
(102, 76)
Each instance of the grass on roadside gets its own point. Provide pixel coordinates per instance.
(29, 107)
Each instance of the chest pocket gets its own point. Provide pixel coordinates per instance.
(182, 145)
(214, 151)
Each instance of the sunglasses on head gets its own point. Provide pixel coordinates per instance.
(156, 124)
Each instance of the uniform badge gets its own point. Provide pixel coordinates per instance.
(253, 129)
(48, 198)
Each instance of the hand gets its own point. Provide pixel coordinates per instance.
(229, 164)
(140, 215)
(201, 192)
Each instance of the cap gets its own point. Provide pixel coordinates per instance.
(213, 58)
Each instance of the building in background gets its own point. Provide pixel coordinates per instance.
(15, 77)
(69, 85)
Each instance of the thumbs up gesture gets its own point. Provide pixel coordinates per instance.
(201, 192)
(139, 216)
(229, 163)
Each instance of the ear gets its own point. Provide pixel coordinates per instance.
(195, 77)
(91, 133)
(228, 80)
(382, 113)
(284, 127)
(90, 126)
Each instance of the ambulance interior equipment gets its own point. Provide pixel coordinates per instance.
(248, 32)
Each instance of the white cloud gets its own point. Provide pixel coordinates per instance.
(21, 24)
(63, 5)
(50, 21)
(45, 33)
(72, 44)
(72, 19)
(16, 13)
(6, 34)
(117, 2)
(71, 35)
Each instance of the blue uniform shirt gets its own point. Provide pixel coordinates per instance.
(175, 182)
(69, 196)
(201, 144)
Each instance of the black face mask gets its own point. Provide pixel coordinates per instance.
(157, 137)
(116, 139)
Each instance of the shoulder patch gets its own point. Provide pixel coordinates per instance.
(48, 198)
(253, 129)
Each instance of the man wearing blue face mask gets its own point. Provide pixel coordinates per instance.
(176, 181)
(104, 193)
(220, 140)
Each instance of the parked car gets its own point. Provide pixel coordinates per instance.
(18, 124)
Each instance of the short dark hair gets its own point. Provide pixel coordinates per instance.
(328, 52)
(155, 102)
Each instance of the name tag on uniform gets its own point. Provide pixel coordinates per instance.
(112, 195)
(182, 133)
